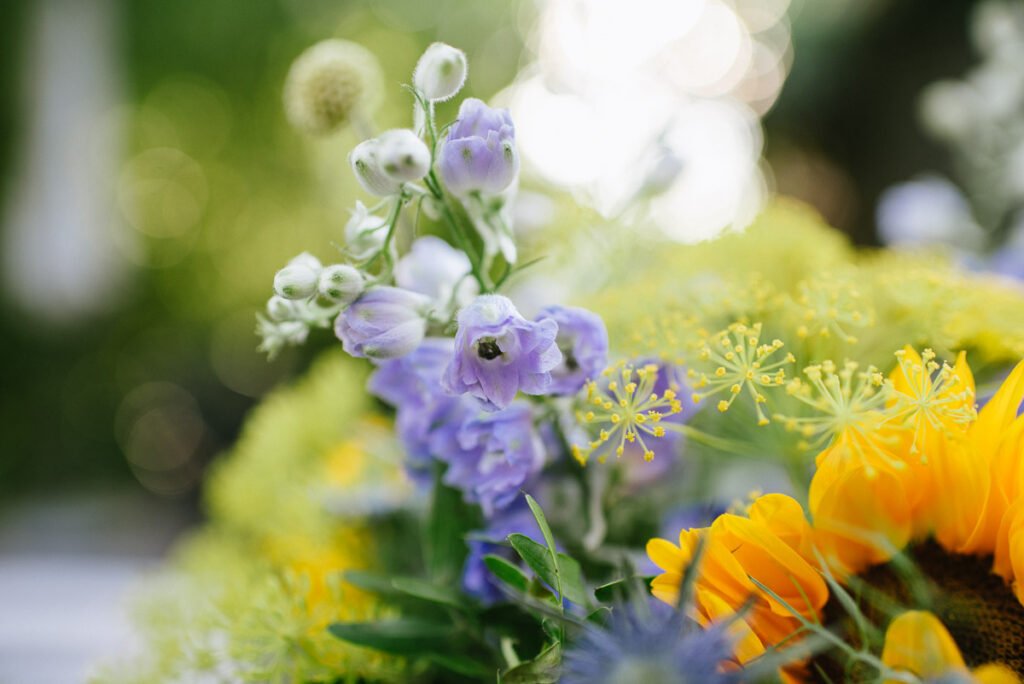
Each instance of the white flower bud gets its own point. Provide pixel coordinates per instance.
(296, 281)
(441, 72)
(365, 160)
(364, 233)
(341, 283)
(280, 309)
(308, 260)
(402, 155)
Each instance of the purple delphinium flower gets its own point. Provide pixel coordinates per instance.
(655, 645)
(490, 455)
(480, 153)
(384, 323)
(412, 385)
(477, 579)
(434, 268)
(583, 341)
(499, 353)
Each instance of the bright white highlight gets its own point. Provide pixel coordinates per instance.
(616, 86)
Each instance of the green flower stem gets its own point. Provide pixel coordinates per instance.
(459, 232)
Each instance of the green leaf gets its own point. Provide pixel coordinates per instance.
(535, 556)
(542, 523)
(573, 586)
(507, 572)
(544, 669)
(428, 591)
(401, 637)
(370, 581)
(565, 575)
(619, 590)
(461, 664)
(599, 616)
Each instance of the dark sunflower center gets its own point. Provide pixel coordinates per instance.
(978, 608)
(488, 349)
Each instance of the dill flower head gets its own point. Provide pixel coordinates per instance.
(843, 401)
(330, 82)
(928, 396)
(626, 408)
(740, 363)
(830, 307)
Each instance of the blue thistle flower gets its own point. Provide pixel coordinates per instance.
(649, 644)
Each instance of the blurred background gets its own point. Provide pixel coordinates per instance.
(152, 186)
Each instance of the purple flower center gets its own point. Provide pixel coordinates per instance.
(488, 349)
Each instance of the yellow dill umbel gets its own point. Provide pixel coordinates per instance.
(840, 399)
(740, 363)
(928, 396)
(622, 409)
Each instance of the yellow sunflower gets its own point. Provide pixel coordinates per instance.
(925, 478)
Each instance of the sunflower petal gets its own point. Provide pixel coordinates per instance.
(918, 642)
(1000, 411)
(995, 674)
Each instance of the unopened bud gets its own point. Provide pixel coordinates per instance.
(280, 309)
(365, 160)
(340, 283)
(308, 260)
(296, 281)
(364, 233)
(402, 155)
(441, 72)
(384, 323)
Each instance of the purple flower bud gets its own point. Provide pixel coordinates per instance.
(490, 455)
(436, 269)
(499, 353)
(480, 153)
(583, 341)
(384, 323)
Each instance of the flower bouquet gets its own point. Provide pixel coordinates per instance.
(488, 486)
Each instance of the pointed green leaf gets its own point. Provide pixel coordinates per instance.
(507, 572)
(402, 637)
(566, 576)
(429, 591)
(462, 665)
(542, 523)
(619, 590)
(537, 557)
(573, 586)
(544, 669)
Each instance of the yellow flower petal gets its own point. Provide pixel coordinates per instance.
(861, 519)
(1009, 552)
(1000, 411)
(747, 645)
(918, 642)
(785, 518)
(961, 481)
(667, 555)
(995, 674)
(774, 564)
